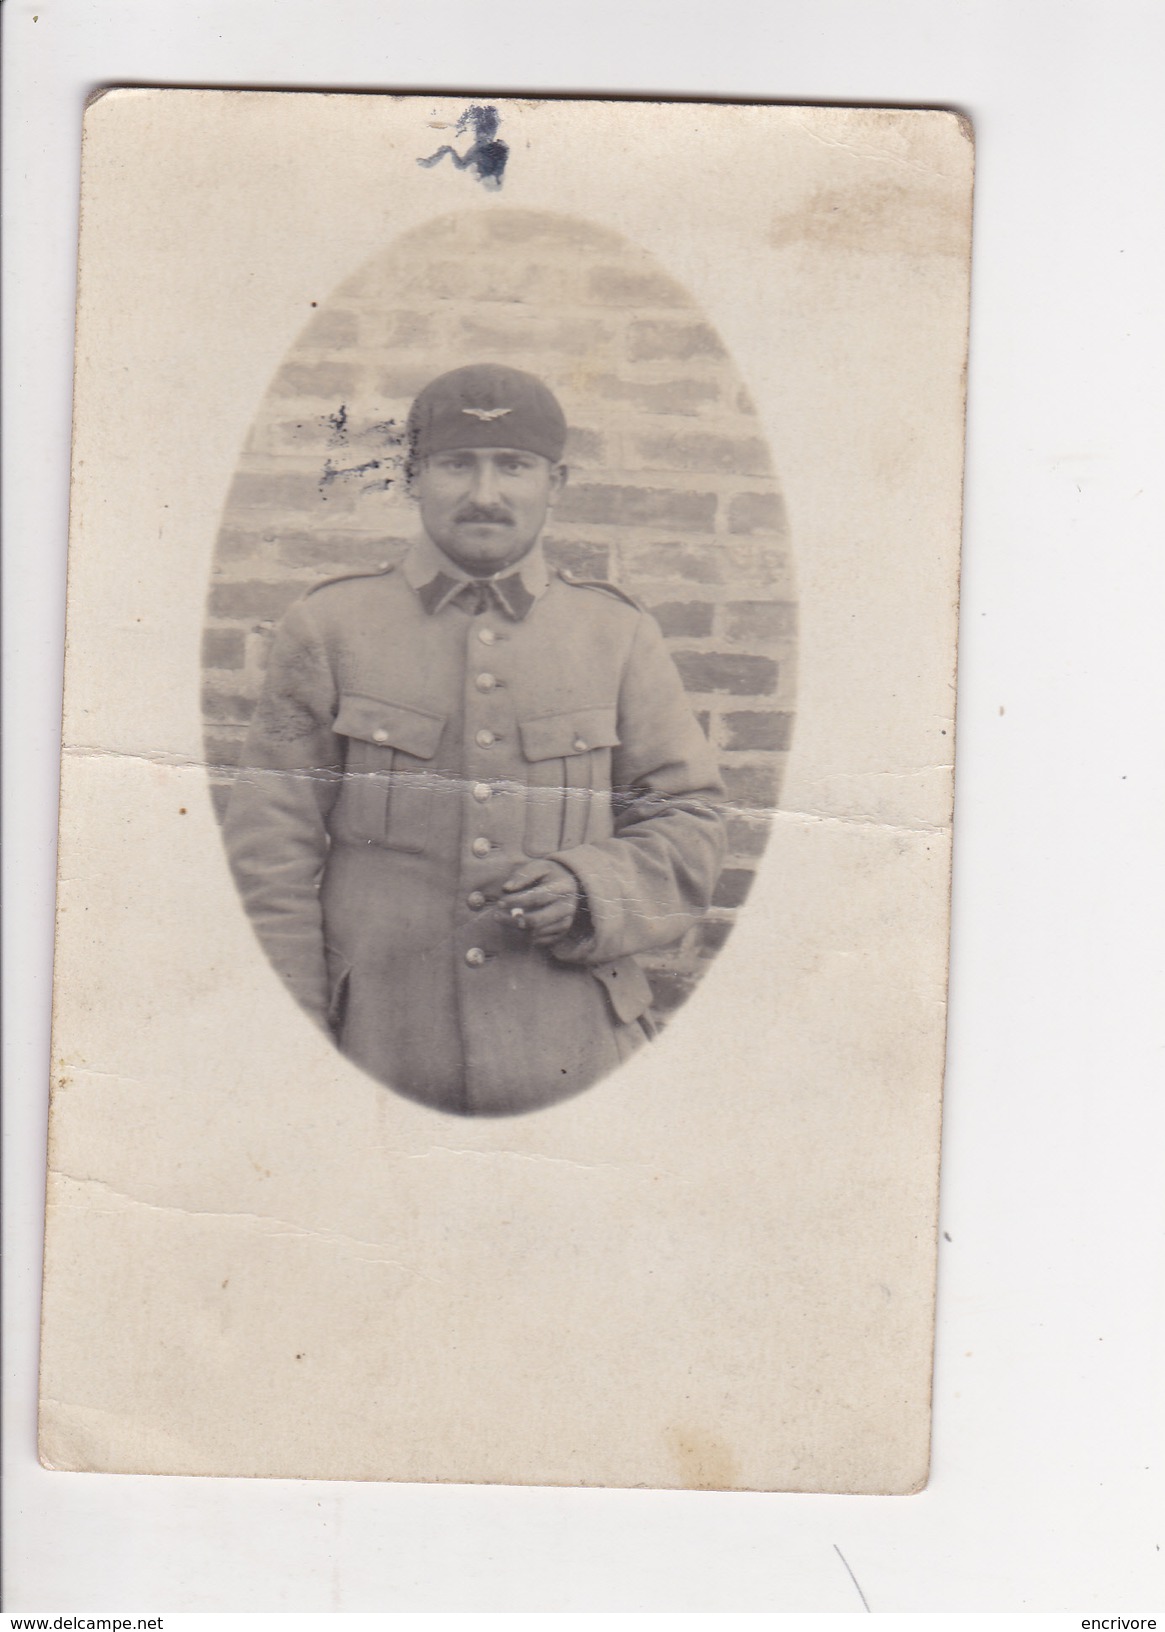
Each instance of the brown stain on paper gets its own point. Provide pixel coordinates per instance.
(702, 1461)
(888, 214)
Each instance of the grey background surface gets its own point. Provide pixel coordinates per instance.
(1046, 1480)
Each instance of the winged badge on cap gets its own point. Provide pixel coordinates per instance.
(487, 413)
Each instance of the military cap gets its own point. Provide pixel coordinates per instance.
(486, 405)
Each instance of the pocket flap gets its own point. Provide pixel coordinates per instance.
(557, 736)
(627, 987)
(390, 725)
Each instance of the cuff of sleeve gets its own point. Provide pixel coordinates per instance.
(593, 938)
(578, 944)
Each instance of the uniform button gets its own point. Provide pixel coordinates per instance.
(481, 847)
(380, 734)
(485, 739)
(481, 791)
(476, 900)
(475, 956)
(485, 682)
(580, 744)
(486, 636)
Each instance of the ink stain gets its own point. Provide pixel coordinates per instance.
(383, 434)
(487, 155)
(333, 473)
(385, 430)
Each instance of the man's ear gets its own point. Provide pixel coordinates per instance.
(558, 475)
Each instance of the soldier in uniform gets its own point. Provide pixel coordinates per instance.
(473, 788)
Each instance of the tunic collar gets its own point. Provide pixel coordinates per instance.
(438, 580)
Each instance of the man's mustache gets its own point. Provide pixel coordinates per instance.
(484, 513)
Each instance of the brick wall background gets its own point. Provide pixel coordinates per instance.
(671, 493)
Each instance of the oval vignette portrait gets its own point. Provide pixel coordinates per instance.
(499, 660)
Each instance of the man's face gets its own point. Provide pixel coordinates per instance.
(485, 507)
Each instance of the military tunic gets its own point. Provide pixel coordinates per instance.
(407, 753)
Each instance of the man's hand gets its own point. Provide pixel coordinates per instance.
(542, 898)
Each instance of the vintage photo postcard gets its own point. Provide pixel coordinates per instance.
(506, 792)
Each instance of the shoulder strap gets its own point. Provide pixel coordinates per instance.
(600, 584)
(381, 570)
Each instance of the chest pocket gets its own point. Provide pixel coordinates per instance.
(387, 794)
(568, 776)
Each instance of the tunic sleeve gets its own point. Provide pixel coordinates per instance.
(655, 877)
(276, 822)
